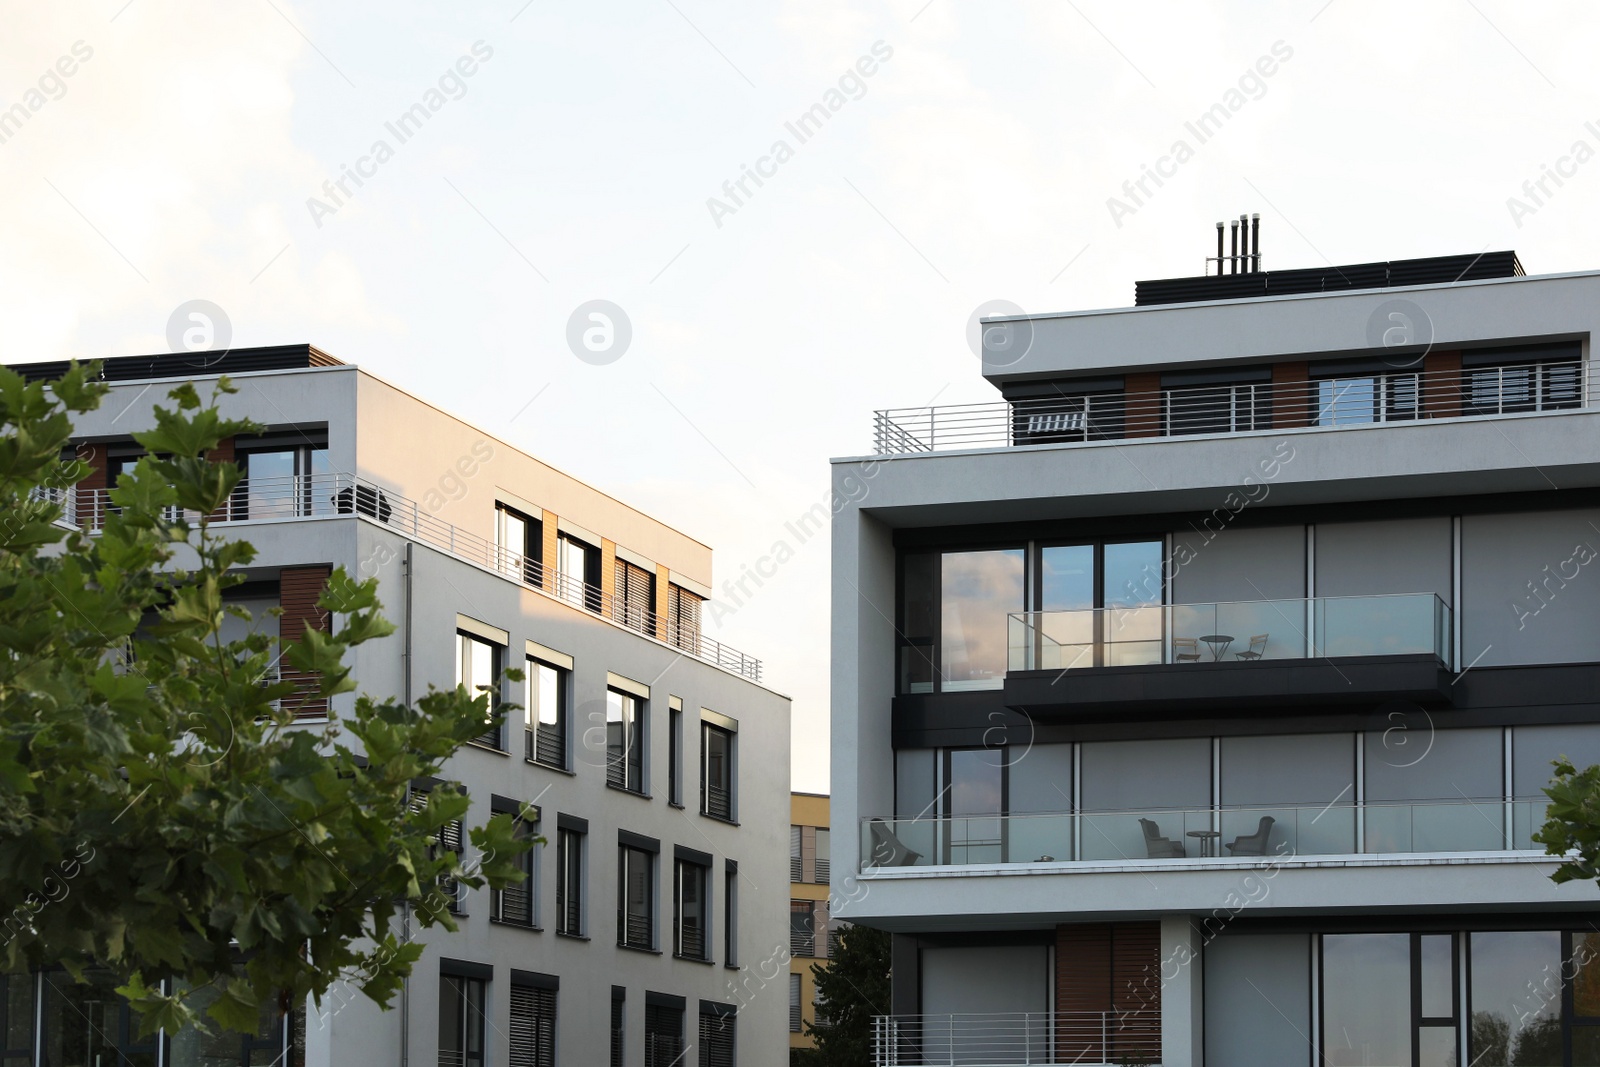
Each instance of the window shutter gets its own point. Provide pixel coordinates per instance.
(663, 1036)
(635, 598)
(795, 867)
(716, 1040)
(617, 1006)
(298, 591)
(533, 1027)
(683, 618)
(794, 1003)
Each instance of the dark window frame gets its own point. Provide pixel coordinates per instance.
(548, 747)
(494, 736)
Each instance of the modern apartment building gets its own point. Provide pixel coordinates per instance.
(650, 759)
(1193, 699)
(812, 935)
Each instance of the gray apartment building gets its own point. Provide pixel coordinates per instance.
(1193, 699)
(650, 758)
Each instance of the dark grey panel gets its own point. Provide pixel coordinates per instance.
(913, 783)
(1264, 563)
(1127, 775)
(1533, 747)
(1009, 978)
(1412, 760)
(1528, 596)
(1258, 1000)
(1373, 558)
(1302, 769)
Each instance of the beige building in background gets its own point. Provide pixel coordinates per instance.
(811, 930)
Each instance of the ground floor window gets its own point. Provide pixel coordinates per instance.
(1532, 998)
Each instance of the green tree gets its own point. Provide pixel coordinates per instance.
(1572, 822)
(851, 989)
(164, 824)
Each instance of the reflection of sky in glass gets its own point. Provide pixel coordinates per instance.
(1516, 998)
(1133, 574)
(975, 781)
(1346, 400)
(979, 590)
(1366, 999)
(1066, 578)
(271, 483)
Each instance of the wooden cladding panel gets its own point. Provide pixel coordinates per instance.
(1291, 395)
(298, 590)
(1142, 405)
(95, 455)
(1441, 385)
(662, 607)
(552, 550)
(1111, 968)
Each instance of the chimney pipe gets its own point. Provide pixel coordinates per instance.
(1244, 244)
(1233, 248)
(1255, 241)
(1219, 248)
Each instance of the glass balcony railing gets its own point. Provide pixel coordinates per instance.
(1239, 632)
(1252, 833)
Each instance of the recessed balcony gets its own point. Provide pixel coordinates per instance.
(1241, 654)
(1205, 835)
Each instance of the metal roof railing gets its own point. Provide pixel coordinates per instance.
(335, 494)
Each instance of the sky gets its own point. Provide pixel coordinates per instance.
(963, 153)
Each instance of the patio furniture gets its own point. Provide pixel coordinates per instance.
(887, 849)
(1218, 643)
(1208, 841)
(1253, 844)
(1258, 647)
(1185, 649)
(1159, 847)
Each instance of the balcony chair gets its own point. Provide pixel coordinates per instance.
(1258, 647)
(887, 849)
(1158, 847)
(1253, 844)
(1185, 650)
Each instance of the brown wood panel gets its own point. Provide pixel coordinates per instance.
(1441, 385)
(1291, 395)
(1142, 399)
(298, 590)
(663, 608)
(608, 570)
(1083, 989)
(551, 550)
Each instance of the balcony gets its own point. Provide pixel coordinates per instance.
(982, 1040)
(1240, 654)
(337, 494)
(1370, 399)
(1204, 835)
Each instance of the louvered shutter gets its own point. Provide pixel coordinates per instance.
(663, 1036)
(617, 1006)
(796, 867)
(449, 840)
(683, 618)
(533, 1027)
(635, 598)
(716, 1040)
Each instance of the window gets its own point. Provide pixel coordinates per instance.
(802, 928)
(634, 602)
(618, 1011)
(569, 881)
(716, 1035)
(663, 1035)
(730, 914)
(1520, 380)
(578, 567)
(635, 898)
(533, 1022)
(220, 1048)
(795, 997)
(448, 838)
(624, 741)
(285, 475)
(545, 713)
(518, 904)
(797, 869)
(683, 618)
(1223, 408)
(89, 1024)
(16, 1024)
(478, 666)
(690, 909)
(821, 862)
(1387, 994)
(461, 1002)
(1367, 398)
(675, 756)
(519, 544)
(716, 774)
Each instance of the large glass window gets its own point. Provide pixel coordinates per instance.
(545, 712)
(716, 763)
(624, 741)
(283, 480)
(978, 591)
(569, 882)
(635, 897)
(974, 799)
(1366, 998)
(478, 669)
(16, 1026)
(1516, 998)
(578, 565)
(461, 1004)
(690, 914)
(520, 543)
(90, 1024)
(919, 621)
